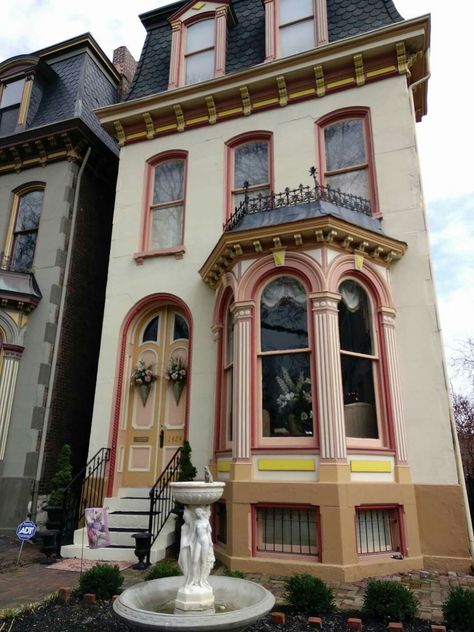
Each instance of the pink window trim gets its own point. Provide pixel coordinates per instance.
(272, 27)
(177, 76)
(338, 116)
(222, 430)
(144, 251)
(230, 146)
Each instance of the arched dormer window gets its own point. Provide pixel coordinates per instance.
(11, 95)
(24, 225)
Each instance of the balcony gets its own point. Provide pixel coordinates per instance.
(18, 288)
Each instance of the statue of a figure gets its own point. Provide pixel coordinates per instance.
(185, 555)
(201, 547)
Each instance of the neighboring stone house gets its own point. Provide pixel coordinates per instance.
(304, 316)
(57, 185)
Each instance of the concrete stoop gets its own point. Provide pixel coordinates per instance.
(128, 514)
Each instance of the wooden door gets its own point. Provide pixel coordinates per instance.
(153, 424)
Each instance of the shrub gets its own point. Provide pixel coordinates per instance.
(187, 471)
(308, 594)
(236, 574)
(458, 609)
(389, 601)
(62, 478)
(162, 569)
(102, 579)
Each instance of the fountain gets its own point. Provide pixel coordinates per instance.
(196, 601)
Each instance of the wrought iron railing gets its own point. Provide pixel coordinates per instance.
(161, 500)
(86, 489)
(293, 197)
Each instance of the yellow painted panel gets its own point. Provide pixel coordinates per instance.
(223, 466)
(381, 71)
(288, 465)
(371, 466)
(199, 119)
(302, 93)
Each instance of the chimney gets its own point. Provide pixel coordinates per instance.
(126, 65)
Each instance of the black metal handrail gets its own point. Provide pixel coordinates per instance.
(85, 490)
(161, 500)
(293, 197)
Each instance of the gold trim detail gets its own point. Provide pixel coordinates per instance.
(223, 466)
(150, 128)
(119, 133)
(178, 110)
(320, 83)
(282, 91)
(211, 108)
(402, 58)
(359, 69)
(246, 101)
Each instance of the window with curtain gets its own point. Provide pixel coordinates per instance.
(285, 360)
(167, 208)
(11, 94)
(228, 375)
(359, 362)
(251, 165)
(200, 51)
(297, 26)
(346, 158)
(25, 231)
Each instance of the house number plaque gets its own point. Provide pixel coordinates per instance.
(141, 439)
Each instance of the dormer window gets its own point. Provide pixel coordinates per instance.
(198, 42)
(200, 54)
(11, 94)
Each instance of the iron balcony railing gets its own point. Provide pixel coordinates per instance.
(293, 197)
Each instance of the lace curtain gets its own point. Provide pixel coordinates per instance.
(283, 288)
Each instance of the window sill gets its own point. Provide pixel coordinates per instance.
(177, 251)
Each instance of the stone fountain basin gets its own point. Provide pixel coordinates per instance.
(136, 604)
(197, 492)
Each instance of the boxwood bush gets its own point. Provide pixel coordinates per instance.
(235, 574)
(309, 595)
(162, 569)
(389, 601)
(458, 609)
(102, 579)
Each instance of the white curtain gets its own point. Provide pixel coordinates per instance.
(352, 295)
(283, 287)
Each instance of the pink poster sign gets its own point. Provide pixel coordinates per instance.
(97, 525)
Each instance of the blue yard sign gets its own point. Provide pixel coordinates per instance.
(26, 530)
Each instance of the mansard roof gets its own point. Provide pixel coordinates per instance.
(246, 40)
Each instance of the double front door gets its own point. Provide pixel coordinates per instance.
(155, 409)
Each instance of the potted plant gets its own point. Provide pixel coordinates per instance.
(60, 480)
(143, 377)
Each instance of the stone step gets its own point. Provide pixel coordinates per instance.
(127, 504)
(128, 521)
(134, 492)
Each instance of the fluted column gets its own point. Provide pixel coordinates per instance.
(221, 37)
(330, 404)
(11, 360)
(321, 23)
(243, 314)
(176, 31)
(387, 322)
(270, 44)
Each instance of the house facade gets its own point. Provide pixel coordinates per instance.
(270, 267)
(57, 184)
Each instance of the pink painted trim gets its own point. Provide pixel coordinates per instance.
(322, 36)
(344, 265)
(156, 301)
(337, 116)
(176, 39)
(144, 238)
(220, 403)
(270, 30)
(189, 5)
(220, 42)
(176, 250)
(277, 26)
(230, 146)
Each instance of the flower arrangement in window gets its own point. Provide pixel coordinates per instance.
(143, 377)
(295, 399)
(176, 373)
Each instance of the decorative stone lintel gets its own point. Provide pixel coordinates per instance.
(12, 351)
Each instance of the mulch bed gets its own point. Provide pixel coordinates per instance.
(76, 616)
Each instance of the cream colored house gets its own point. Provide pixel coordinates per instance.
(300, 304)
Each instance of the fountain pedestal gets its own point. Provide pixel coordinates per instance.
(194, 598)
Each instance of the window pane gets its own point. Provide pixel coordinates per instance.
(169, 182)
(12, 93)
(286, 396)
(9, 120)
(373, 531)
(181, 330)
(200, 35)
(359, 397)
(229, 381)
(283, 317)
(24, 251)
(29, 211)
(291, 10)
(200, 67)
(166, 228)
(355, 326)
(229, 338)
(253, 197)
(344, 144)
(251, 164)
(151, 330)
(354, 182)
(295, 38)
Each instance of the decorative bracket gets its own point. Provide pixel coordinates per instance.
(282, 91)
(246, 102)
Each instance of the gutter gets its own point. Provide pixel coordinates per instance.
(57, 339)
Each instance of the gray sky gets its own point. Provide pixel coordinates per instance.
(444, 136)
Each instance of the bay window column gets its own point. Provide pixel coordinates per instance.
(11, 355)
(395, 408)
(329, 400)
(242, 397)
(221, 36)
(270, 45)
(176, 34)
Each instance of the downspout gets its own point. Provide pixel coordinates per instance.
(57, 338)
(427, 76)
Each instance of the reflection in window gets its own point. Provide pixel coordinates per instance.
(181, 329)
(286, 376)
(346, 157)
(357, 362)
(167, 205)
(26, 230)
(251, 165)
(10, 100)
(199, 56)
(296, 26)
(229, 373)
(151, 330)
